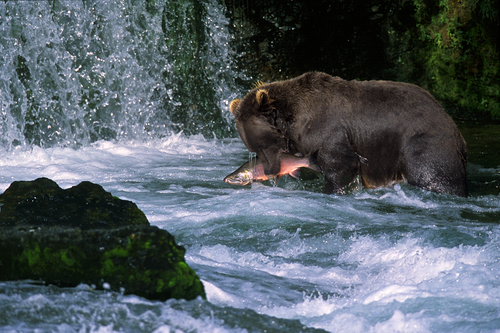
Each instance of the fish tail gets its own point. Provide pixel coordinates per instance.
(315, 167)
(295, 173)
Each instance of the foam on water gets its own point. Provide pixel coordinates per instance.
(398, 259)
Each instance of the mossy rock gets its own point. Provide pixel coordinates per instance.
(85, 235)
(87, 206)
(140, 260)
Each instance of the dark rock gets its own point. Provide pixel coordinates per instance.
(87, 206)
(143, 260)
(68, 237)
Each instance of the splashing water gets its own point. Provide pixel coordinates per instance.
(395, 259)
(73, 72)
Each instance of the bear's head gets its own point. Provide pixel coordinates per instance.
(256, 119)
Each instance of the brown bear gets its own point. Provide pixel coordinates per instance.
(386, 132)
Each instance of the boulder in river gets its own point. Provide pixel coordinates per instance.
(85, 235)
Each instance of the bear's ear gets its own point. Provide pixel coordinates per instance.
(264, 101)
(234, 105)
(262, 97)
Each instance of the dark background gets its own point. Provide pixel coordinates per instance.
(449, 47)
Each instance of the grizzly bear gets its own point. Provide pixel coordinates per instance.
(386, 132)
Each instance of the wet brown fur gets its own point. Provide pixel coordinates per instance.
(384, 131)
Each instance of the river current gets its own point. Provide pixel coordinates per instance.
(272, 258)
(88, 93)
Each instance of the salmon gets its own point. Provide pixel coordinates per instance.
(290, 165)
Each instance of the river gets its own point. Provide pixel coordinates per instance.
(272, 259)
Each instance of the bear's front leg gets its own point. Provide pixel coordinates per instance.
(335, 182)
(340, 169)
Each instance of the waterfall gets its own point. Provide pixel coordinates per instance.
(73, 72)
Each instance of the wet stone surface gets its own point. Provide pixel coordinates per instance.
(85, 235)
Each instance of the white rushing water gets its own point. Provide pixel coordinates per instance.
(272, 258)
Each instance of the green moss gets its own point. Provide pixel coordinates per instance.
(117, 252)
(460, 58)
(159, 285)
(107, 266)
(35, 261)
(32, 255)
(169, 275)
(67, 258)
(145, 261)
